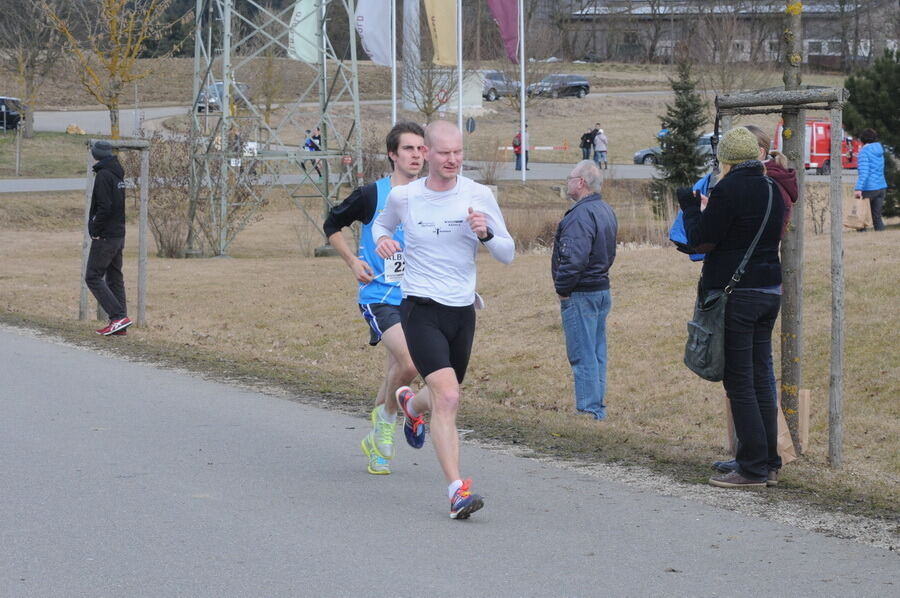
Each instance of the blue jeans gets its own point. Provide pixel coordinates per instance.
(749, 380)
(519, 161)
(584, 323)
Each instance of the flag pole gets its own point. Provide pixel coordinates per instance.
(523, 138)
(459, 63)
(393, 62)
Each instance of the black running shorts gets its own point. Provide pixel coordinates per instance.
(438, 336)
(379, 317)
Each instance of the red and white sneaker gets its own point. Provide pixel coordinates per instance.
(120, 324)
(120, 332)
(115, 327)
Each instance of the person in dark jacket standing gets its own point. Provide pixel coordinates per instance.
(724, 230)
(871, 184)
(106, 226)
(583, 251)
(587, 142)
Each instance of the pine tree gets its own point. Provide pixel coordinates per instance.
(875, 103)
(680, 162)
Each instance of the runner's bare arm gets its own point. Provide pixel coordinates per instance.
(361, 270)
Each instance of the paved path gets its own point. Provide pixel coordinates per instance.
(124, 479)
(506, 172)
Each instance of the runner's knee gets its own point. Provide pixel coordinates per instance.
(445, 400)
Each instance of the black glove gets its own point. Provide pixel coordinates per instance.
(687, 197)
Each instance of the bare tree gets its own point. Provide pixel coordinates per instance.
(430, 87)
(106, 37)
(32, 48)
(724, 49)
(654, 30)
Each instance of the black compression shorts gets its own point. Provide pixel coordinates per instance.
(438, 336)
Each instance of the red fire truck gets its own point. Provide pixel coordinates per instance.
(817, 153)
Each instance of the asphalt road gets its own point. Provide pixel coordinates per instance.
(124, 479)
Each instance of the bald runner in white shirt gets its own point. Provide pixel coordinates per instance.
(445, 218)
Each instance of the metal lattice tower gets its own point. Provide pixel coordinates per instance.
(240, 159)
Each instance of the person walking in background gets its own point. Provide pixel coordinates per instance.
(106, 225)
(735, 211)
(520, 148)
(601, 146)
(587, 142)
(583, 252)
(870, 182)
(445, 218)
(310, 145)
(379, 283)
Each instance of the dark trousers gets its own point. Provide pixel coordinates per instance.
(586, 153)
(103, 276)
(876, 202)
(749, 319)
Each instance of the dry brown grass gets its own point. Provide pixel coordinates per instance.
(519, 386)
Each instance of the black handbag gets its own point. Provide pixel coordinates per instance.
(704, 352)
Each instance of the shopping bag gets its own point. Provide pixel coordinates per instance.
(857, 213)
(785, 444)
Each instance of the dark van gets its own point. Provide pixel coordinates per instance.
(11, 112)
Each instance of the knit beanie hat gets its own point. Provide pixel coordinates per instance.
(101, 149)
(738, 145)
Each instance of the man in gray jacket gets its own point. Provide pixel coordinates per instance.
(583, 251)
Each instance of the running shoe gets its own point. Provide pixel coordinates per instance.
(378, 465)
(464, 503)
(115, 326)
(413, 427)
(383, 435)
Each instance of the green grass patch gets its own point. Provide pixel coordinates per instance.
(46, 155)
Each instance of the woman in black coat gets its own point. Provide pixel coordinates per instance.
(724, 230)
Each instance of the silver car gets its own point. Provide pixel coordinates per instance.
(495, 84)
(211, 97)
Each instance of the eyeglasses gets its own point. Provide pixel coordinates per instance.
(571, 178)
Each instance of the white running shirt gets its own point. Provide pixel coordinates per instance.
(440, 245)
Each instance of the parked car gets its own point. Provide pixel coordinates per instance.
(211, 97)
(651, 154)
(817, 153)
(495, 84)
(556, 86)
(12, 110)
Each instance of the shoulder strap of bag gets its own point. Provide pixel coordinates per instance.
(736, 277)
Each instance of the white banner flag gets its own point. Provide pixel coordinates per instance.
(304, 27)
(373, 23)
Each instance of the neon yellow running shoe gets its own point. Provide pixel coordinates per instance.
(383, 435)
(378, 465)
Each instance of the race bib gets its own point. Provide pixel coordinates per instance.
(394, 267)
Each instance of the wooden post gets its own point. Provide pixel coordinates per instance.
(727, 121)
(86, 237)
(793, 142)
(19, 148)
(836, 386)
(142, 236)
